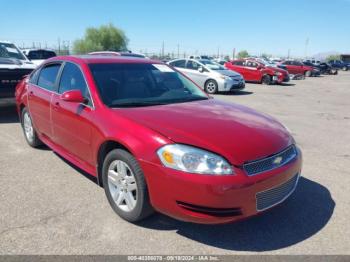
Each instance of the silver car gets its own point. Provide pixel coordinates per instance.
(211, 76)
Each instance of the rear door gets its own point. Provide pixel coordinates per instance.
(40, 93)
(298, 67)
(72, 121)
(290, 67)
(238, 66)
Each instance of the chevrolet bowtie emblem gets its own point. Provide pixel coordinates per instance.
(277, 160)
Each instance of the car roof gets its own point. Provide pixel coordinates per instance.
(37, 49)
(102, 59)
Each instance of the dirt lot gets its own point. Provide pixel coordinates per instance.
(48, 207)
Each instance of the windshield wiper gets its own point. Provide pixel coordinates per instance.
(137, 104)
(189, 99)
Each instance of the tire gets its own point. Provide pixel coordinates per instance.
(308, 73)
(125, 186)
(211, 87)
(345, 68)
(30, 134)
(266, 80)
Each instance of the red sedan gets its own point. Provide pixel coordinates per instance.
(295, 68)
(155, 141)
(254, 71)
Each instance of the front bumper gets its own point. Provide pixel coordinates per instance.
(232, 84)
(214, 199)
(279, 79)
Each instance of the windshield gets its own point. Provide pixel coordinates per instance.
(132, 85)
(10, 51)
(212, 65)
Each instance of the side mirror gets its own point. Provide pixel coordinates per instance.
(74, 96)
(260, 67)
(201, 69)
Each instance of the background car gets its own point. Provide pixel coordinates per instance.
(113, 53)
(14, 65)
(37, 56)
(340, 64)
(210, 76)
(296, 67)
(323, 68)
(255, 71)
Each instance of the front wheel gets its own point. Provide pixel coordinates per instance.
(308, 73)
(345, 68)
(30, 134)
(211, 87)
(266, 80)
(125, 186)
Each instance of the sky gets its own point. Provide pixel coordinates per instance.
(197, 26)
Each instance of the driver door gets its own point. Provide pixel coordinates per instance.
(72, 122)
(253, 73)
(192, 71)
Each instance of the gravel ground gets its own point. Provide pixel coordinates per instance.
(49, 207)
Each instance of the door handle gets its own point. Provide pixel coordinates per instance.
(31, 93)
(56, 106)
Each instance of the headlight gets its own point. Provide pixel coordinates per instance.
(278, 73)
(193, 160)
(224, 77)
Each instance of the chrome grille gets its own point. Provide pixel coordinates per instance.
(270, 163)
(276, 195)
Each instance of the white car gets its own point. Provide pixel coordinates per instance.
(14, 65)
(211, 76)
(37, 56)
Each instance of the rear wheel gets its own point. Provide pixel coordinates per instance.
(30, 134)
(308, 73)
(125, 186)
(266, 80)
(345, 68)
(211, 87)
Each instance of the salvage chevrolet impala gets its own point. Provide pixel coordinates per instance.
(155, 141)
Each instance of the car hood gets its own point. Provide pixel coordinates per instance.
(10, 63)
(236, 132)
(276, 69)
(227, 73)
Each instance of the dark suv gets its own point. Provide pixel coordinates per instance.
(345, 66)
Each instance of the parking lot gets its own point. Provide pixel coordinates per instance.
(49, 207)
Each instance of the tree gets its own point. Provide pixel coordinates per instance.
(333, 57)
(265, 55)
(105, 38)
(243, 54)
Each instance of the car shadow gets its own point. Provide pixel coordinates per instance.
(8, 114)
(304, 214)
(237, 93)
(286, 84)
(79, 170)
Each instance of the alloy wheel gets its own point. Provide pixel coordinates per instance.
(211, 87)
(28, 127)
(122, 185)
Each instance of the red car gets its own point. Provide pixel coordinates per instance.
(295, 68)
(155, 141)
(254, 71)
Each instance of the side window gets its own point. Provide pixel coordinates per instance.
(251, 64)
(48, 75)
(33, 79)
(179, 63)
(72, 79)
(192, 65)
(239, 63)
